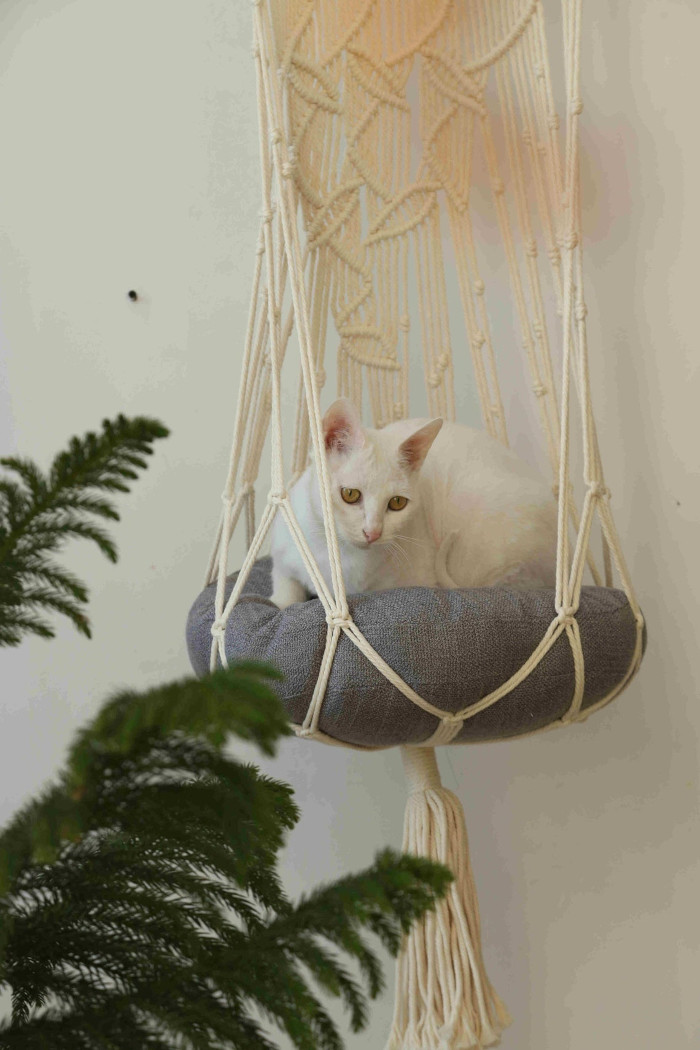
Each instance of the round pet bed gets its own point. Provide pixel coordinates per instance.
(452, 646)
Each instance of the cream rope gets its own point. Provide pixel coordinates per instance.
(358, 202)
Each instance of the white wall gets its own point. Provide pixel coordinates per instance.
(128, 135)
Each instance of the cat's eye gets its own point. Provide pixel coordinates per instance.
(350, 495)
(397, 502)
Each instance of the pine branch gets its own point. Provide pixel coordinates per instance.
(172, 730)
(141, 905)
(39, 513)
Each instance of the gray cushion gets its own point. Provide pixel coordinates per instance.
(451, 646)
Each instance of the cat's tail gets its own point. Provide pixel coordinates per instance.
(442, 575)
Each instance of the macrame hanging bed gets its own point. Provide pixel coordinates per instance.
(386, 126)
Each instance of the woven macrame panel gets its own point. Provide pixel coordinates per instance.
(454, 647)
(387, 105)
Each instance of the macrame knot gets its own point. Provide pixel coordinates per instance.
(531, 249)
(288, 169)
(321, 377)
(266, 215)
(553, 121)
(398, 410)
(539, 390)
(498, 187)
(479, 338)
(554, 255)
(275, 136)
(576, 106)
(571, 241)
(443, 361)
(404, 322)
(451, 719)
(433, 380)
(277, 497)
(479, 287)
(581, 311)
(336, 620)
(567, 613)
(218, 628)
(598, 490)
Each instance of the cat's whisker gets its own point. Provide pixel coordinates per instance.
(410, 539)
(398, 552)
(406, 554)
(396, 561)
(393, 549)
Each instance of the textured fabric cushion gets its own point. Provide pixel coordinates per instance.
(451, 646)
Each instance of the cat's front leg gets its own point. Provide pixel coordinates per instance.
(441, 571)
(286, 590)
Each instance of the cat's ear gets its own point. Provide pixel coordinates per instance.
(414, 449)
(342, 427)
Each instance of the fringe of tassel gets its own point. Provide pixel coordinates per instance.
(444, 1000)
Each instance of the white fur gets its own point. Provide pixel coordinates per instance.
(477, 515)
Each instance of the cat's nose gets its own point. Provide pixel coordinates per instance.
(371, 534)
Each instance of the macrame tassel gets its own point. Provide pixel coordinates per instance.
(444, 1000)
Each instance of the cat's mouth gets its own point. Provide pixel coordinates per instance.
(364, 545)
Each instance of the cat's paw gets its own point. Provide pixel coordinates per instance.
(287, 592)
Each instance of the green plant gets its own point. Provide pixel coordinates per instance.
(140, 904)
(39, 512)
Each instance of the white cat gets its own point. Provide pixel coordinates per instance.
(420, 503)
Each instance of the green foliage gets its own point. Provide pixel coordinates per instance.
(140, 903)
(38, 513)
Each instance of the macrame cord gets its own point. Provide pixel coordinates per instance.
(345, 222)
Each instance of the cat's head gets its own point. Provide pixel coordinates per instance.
(373, 474)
